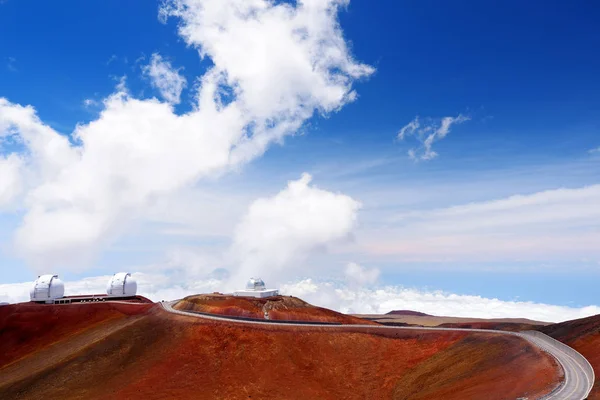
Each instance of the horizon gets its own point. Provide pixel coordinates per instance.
(410, 156)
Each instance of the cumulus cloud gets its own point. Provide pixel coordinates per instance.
(357, 274)
(274, 66)
(169, 82)
(427, 133)
(279, 231)
(10, 179)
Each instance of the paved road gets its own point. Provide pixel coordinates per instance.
(578, 373)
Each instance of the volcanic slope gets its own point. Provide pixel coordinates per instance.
(414, 318)
(584, 336)
(274, 308)
(143, 352)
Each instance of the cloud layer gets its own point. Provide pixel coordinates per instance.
(561, 223)
(378, 300)
(336, 295)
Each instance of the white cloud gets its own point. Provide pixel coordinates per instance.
(555, 224)
(280, 231)
(357, 274)
(383, 299)
(332, 295)
(594, 151)
(409, 129)
(10, 179)
(427, 133)
(169, 82)
(90, 103)
(274, 65)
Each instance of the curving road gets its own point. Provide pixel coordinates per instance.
(578, 373)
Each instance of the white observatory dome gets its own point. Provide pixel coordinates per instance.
(255, 284)
(121, 285)
(46, 288)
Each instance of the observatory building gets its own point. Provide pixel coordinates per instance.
(46, 289)
(121, 285)
(49, 289)
(256, 288)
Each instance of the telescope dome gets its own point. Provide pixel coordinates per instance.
(46, 288)
(121, 285)
(255, 284)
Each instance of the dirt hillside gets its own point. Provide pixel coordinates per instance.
(126, 351)
(273, 308)
(411, 318)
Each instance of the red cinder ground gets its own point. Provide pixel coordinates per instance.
(28, 327)
(147, 353)
(277, 308)
(499, 326)
(584, 336)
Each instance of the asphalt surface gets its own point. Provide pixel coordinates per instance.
(578, 373)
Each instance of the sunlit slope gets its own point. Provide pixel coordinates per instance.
(273, 308)
(145, 352)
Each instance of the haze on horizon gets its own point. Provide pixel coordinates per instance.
(408, 156)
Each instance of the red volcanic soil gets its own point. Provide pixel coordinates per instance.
(407, 318)
(584, 336)
(275, 308)
(148, 353)
(408, 312)
(470, 368)
(493, 325)
(28, 327)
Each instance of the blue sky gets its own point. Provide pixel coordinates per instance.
(523, 75)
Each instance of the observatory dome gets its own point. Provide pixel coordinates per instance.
(122, 285)
(255, 284)
(47, 288)
(256, 288)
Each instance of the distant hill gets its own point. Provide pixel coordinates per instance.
(416, 318)
(408, 312)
